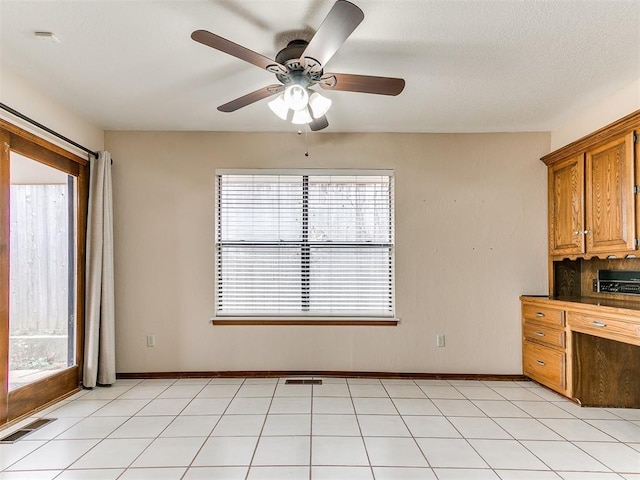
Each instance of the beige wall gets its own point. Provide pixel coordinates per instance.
(20, 95)
(471, 237)
(597, 115)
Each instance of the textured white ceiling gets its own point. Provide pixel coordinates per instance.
(469, 66)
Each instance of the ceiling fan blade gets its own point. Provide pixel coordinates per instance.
(362, 83)
(340, 22)
(319, 124)
(250, 98)
(227, 46)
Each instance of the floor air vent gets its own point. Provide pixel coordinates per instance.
(302, 381)
(26, 430)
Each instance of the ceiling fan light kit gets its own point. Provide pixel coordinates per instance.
(303, 105)
(319, 104)
(296, 97)
(300, 65)
(301, 117)
(279, 106)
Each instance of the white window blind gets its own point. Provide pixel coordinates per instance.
(304, 244)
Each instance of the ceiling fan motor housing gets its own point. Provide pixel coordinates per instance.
(306, 74)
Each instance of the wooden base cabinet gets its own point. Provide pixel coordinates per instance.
(587, 349)
(544, 345)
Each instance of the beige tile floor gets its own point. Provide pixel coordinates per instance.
(346, 428)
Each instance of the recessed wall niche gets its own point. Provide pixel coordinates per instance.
(575, 278)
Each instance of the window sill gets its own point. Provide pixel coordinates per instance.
(301, 321)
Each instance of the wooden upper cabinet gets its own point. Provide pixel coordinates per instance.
(566, 207)
(610, 202)
(592, 201)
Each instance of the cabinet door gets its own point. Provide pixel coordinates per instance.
(610, 203)
(566, 207)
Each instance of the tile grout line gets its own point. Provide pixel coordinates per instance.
(175, 418)
(255, 449)
(462, 436)
(214, 427)
(407, 426)
(364, 444)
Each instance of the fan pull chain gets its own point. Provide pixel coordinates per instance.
(306, 140)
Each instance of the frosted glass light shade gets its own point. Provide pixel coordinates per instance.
(301, 117)
(296, 97)
(319, 104)
(279, 107)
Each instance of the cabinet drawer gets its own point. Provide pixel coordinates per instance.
(611, 328)
(544, 365)
(544, 334)
(542, 314)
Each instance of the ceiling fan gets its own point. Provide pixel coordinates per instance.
(300, 66)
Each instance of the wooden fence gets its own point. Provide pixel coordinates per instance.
(39, 260)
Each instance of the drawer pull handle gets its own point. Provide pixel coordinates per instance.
(539, 314)
(540, 334)
(598, 324)
(541, 363)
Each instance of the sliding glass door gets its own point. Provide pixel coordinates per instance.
(42, 276)
(42, 216)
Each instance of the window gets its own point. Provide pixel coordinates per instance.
(307, 243)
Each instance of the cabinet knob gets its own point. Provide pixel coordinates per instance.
(587, 232)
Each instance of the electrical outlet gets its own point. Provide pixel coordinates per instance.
(440, 340)
(151, 340)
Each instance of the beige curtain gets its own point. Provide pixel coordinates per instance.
(99, 346)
